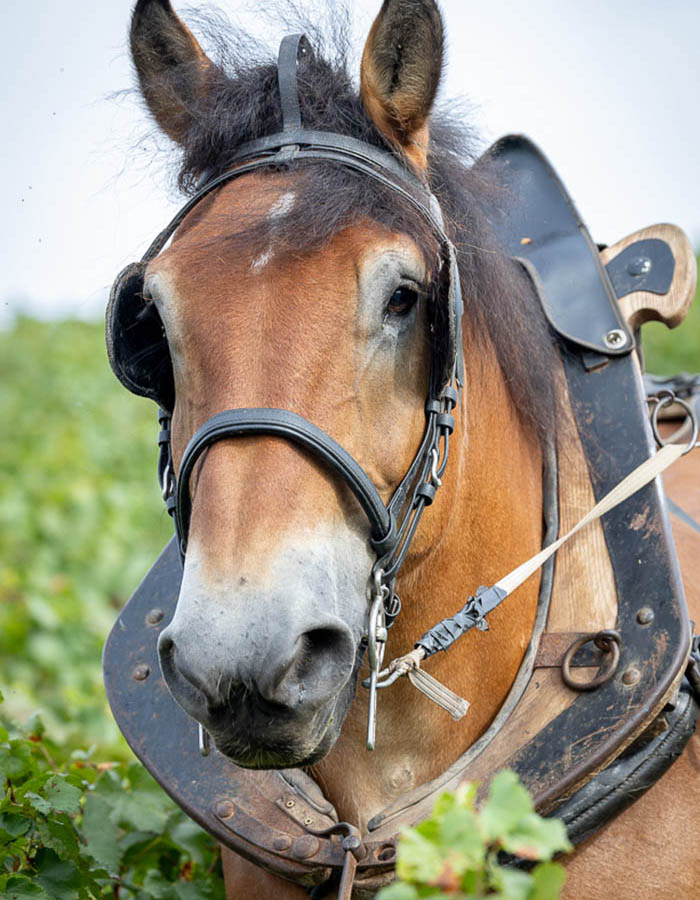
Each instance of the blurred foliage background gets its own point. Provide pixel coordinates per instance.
(81, 521)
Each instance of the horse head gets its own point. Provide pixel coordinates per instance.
(312, 289)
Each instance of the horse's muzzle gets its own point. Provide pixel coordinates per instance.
(269, 704)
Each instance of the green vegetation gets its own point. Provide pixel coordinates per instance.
(81, 521)
(455, 853)
(678, 350)
(77, 829)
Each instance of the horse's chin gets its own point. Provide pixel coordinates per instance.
(265, 742)
(275, 756)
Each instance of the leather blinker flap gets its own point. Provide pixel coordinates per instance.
(137, 347)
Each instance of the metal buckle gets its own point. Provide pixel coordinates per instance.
(203, 740)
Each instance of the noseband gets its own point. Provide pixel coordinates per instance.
(392, 525)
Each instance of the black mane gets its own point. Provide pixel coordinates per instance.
(243, 104)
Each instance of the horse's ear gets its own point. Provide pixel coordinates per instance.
(173, 69)
(401, 68)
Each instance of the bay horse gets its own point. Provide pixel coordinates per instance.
(308, 289)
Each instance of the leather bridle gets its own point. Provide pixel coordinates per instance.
(393, 525)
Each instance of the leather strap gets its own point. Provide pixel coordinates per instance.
(282, 423)
(486, 599)
(317, 145)
(287, 59)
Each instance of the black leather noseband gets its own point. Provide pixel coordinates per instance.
(283, 423)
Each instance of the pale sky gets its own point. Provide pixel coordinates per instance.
(609, 90)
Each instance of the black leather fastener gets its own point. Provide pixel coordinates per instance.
(283, 423)
(539, 226)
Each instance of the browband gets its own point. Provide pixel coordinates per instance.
(301, 144)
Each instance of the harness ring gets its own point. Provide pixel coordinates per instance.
(608, 641)
(668, 399)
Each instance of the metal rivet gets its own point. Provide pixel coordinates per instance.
(631, 675)
(645, 615)
(615, 339)
(224, 809)
(387, 852)
(640, 265)
(289, 804)
(141, 672)
(305, 846)
(308, 821)
(154, 617)
(282, 843)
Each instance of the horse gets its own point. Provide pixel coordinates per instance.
(311, 288)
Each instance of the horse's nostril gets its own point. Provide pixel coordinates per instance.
(320, 664)
(180, 683)
(322, 649)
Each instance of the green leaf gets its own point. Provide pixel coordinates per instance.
(157, 887)
(100, 833)
(37, 802)
(59, 835)
(36, 726)
(63, 796)
(444, 803)
(190, 839)
(459, 830)
(398, 891)
(19, 887)
(196, 890)
(507, 803)
(549, 879)
(15, 760)
(142, 806)
(512, 883)
(418, 859)
(14, 824)
(536, 838)
(59, 878)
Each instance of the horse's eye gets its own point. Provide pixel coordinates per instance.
(402, 301)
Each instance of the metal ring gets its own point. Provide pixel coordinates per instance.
(667, 400)
(166, 483)
(434, 477)
(607, 641)
(375, 652)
